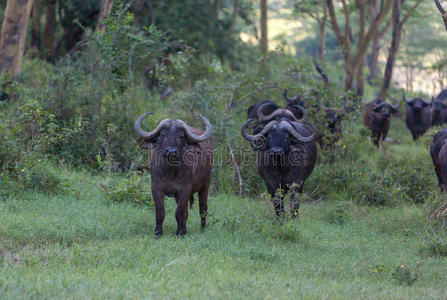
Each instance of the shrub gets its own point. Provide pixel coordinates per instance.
(133, 188)
(404, 275)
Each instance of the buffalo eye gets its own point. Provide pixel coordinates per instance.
(181, 140)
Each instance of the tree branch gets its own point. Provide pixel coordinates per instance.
(442, 11)
(347, 25)
(236, 167)
(439, 6)
(410, 12)
(371, 30)
(335, 27)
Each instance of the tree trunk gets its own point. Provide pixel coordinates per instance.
(234, 24)
(50, 30)
(322, 38)
(36, 14)
(373, 62)
(354, 60)
(106, 7)
(398, 24)
(13, 35)
(264, 42)
(443, 12)
(395, 41)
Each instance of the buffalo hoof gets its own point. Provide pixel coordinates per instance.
(158, 233)
(181, 232)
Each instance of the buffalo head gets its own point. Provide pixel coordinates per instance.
(278, 136)
(417, 105)
(383, 111)
(419, 116)
(171, 137)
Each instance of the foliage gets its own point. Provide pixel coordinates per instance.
(133, 188)
(404, 275)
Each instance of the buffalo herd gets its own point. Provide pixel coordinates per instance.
(285, 144)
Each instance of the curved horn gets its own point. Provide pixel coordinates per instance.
(251, 138)
(302, 109)
(196, 137)
(395, 106)
(288, 99)
(153, 133)
(342, 108)
(375, 107)
(247, 136)
(404, 98)
(276, 112)
(292, 128)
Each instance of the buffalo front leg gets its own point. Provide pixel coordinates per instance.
(294, 200)
(278, 201)
(159, 202)
(203, 206)
(181, 213)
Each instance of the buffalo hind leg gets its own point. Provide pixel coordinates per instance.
(159, 202)
(181, 213)
(203, 205)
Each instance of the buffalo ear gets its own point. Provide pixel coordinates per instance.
(147, 143)
(193, 145)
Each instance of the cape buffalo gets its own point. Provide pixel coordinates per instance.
(181, 160)
(439, 112)
(332, 115)
(438, 152)
(286, 156)
(376, 117)
(442, 95)
(418, 117)
(440, 109)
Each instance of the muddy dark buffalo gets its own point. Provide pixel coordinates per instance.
(439, 116)
(442, 95)
(377, 117)
(334, 118)
(438, 152)
(181, 160)
(418, 116)
(286, 156)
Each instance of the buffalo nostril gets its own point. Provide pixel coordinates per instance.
(277, 151)
(172, 151)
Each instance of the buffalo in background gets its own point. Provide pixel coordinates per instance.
(377, 117)
(267, 110)
(438, 152)
(181, 160)
(439, 115)
(332, 115)
(286, 156)
(418, 116)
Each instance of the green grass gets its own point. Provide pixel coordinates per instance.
(82, 245)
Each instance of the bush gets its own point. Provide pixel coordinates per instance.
(404, 275)
(133, 188)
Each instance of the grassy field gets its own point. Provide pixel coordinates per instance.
(84, 246)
